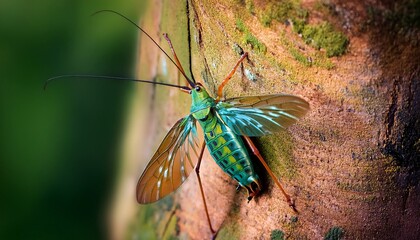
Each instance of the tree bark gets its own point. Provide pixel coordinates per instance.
(352, 164)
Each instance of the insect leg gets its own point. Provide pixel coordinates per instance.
(226, 80)
(165, 35)
(276, 180)
(197, 171)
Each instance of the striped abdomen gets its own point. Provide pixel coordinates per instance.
(229, 152)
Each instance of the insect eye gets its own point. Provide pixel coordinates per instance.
(197, 88)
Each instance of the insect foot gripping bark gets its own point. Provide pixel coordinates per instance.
(224, 122)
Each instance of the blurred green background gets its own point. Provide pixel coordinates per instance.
(59, 148)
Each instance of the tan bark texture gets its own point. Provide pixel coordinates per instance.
(352, 164)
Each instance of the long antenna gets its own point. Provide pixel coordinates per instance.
(189, 39)
(138, 27)
(113, 78)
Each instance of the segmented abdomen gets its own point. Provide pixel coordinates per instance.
(229, 152)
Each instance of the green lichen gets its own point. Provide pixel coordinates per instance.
(298, 25)
(335, 233)
(277, 235)
(248, 38)
(323, 36)
(281, 11)
(307, 58)
(254, 42)
(240, 25)
(300, 57)
(324, 62)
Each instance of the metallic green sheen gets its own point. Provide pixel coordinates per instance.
(226, 147)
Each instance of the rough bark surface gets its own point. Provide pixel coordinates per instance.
(352, 164)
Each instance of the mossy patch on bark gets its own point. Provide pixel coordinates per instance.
(277, 235)
(335, 233)
(249, 39)
(323, 36)
(319, 36)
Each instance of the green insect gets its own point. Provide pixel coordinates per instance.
(227, 125)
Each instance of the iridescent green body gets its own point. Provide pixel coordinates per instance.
(226, 125)
(226, 147)
(229, 152)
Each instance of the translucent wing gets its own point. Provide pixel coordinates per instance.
(173, 161)
(261, 115)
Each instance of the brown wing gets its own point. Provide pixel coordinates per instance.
(173, 161)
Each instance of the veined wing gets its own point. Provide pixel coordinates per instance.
(173, 161)
(261, 115)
